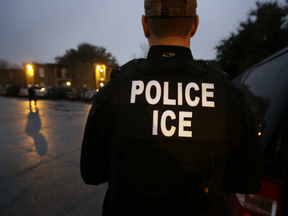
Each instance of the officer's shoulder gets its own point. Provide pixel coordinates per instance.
(212, 69)
(129, 66)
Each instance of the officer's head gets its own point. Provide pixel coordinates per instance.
(170, 19)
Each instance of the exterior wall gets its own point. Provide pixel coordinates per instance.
(52, 74)
(62, 74)
(49, 79)
(48, 74)
(12, 76)
(43, 75)
(84, 77)
(79, 76)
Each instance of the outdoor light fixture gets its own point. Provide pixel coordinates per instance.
(30, 70)
(100, 75)
(68, 83)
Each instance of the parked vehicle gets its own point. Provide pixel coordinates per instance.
(24, 90)
(76, 95)
(40, 91)
(58, 92)
(3, 89)
(13, 90)
(89, 95)
(266, 88)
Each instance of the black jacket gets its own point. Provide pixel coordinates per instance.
(229, 126)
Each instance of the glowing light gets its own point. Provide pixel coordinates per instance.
(68, 83)
(30, 70)
(100, 75)
(259, 133)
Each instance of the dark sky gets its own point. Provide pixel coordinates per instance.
(40, 30)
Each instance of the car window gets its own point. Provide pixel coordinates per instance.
(67, 89)
(15, 86)
(264, 84)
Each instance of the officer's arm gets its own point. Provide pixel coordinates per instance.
(244, 167)
(94, 152)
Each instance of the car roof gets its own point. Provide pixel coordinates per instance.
(241, 78)
(265, 87)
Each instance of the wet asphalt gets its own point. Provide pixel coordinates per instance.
(39, 159)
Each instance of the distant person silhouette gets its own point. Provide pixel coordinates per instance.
(32, 95)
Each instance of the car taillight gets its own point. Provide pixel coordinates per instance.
(267, 202)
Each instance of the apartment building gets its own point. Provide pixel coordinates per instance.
(87, 76)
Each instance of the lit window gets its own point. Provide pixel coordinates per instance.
(64, 72)
(41, 72)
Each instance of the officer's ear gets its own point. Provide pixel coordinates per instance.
(145, 26)
(194, 26)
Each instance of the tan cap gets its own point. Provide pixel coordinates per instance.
(166, 8)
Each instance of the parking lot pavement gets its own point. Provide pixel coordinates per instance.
(39, 159)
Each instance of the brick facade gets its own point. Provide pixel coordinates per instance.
(79, 76)
(12, 76)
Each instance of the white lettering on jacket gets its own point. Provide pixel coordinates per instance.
(184, 118)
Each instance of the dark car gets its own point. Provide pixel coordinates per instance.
(3, 89)
(266, 88)
(76, 94)
(58, 92)
(89, 95)
(13, 90)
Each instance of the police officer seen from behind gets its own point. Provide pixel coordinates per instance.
(169, 134)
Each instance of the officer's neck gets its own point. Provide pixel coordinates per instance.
(169, 41)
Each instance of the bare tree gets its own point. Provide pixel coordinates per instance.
(145, 49)
(4, 64)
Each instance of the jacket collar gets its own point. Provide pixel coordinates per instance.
(169, 53)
